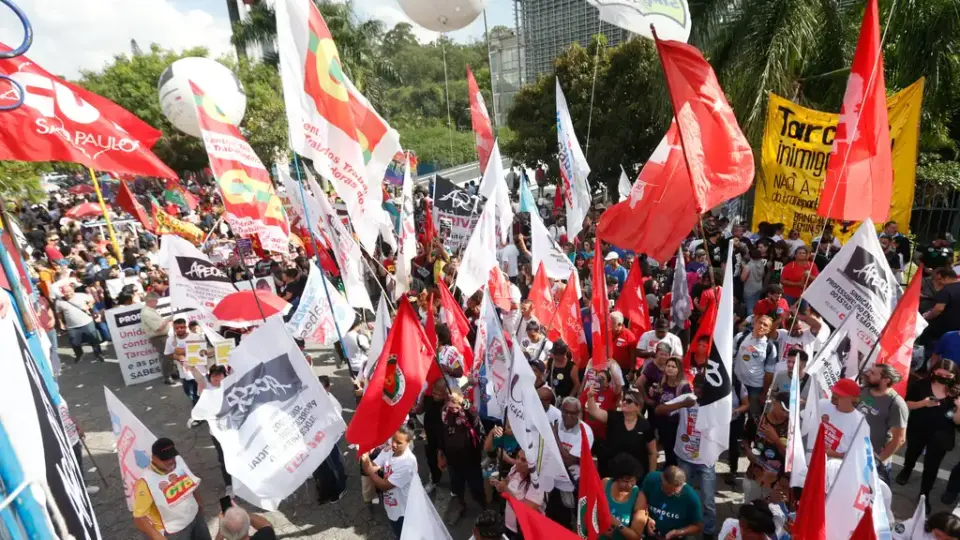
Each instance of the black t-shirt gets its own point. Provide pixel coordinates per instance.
(716, 252)
(266, 533)
(949, 318)
(129, 257)
(935, 421)
(633, 442)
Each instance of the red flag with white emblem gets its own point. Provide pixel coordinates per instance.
(718, 155)
(859, 179)
(459, 326)
(542, 297)
(600, 310)
(481, 121)
(568, 323)
(632, 302)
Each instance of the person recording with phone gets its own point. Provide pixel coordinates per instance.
(235, 524)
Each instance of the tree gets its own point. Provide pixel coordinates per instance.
(20, 180)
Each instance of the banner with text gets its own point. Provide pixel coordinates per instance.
(797, 144)
(454, 213)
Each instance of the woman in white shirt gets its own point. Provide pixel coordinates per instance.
(519, 485)
(391, 472)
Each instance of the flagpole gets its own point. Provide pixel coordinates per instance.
(593, 89)
(106, 215)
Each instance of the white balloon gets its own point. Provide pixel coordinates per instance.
(443, 15)
(216, 81)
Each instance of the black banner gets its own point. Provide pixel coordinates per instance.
(447, 197)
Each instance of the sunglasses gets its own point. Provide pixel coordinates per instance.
(629, 401)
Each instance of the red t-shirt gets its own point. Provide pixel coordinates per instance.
(708, 298)
(623, 345)
(794, 271)
(766, 307)
(607, 401)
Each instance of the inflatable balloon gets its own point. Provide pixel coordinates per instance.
(443, 15)
(216, 81)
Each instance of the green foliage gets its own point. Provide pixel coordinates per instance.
(440, 146)
(265, 122)
(20, 180)
(932, 169)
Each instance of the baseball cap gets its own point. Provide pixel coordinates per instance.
(164, 449)
(611, 256)
(846, 388)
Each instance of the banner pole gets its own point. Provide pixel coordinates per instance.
(106, 215)
(89, 455)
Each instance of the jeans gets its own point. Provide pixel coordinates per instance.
(397, 527)
(195, 531)
(756, 397)
(103, 330)
(330, 477)
(190, 389)
(54, 356)
(84, 334)
(751, 299)
(166, 361)
(708, 491)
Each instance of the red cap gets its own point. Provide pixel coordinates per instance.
(846, 388)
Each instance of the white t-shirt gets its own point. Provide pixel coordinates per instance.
(749, 361)
(76, 312)
(173, 342)
(807, 341)
(793, 245)
(522, 491)
(537, 351)
(648, 342)
(839, 427)
(399, 471)
(509, 257)
(356, 346)
(554, 417)
(570, 440)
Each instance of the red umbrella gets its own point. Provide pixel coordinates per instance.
(85, 210)
(243, 306)
(81, 189)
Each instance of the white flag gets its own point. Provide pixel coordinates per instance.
(796, 458)
(273, 438)
(481, 254)
(493, 185)
(810, 415)
(408, 236)
(492, 356)
(421, 520)
(306, 206)
(912, 529)
(671, 19)
(624, 186)
(857, 276)
(134, 443)
(331, 122)
(715, 400)
(314, 319)
(544, 249)
(381, 327)
(855, 487)
(347, 252)
(680, 309)
(530, 425)
(195, 282)
(573, 169)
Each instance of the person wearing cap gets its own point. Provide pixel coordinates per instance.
(166, 502)
(886, 414)
(647, 344)
(840, 417)
(766, 449)
(157, 329)
(614, 270)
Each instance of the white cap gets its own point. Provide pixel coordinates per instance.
(611, 256)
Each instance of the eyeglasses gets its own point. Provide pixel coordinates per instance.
(628, 401)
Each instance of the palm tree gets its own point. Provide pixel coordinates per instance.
(357, 42)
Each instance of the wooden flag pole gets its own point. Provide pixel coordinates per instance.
(106, 215)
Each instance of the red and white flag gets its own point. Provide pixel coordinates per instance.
(660, 210)
(456, 320)
(59, 121)
(897, 339)
(536, 525)
(481, 253)
(718, 155)
(568, 323)
(593, 516)
(632, 302)
(811, 521)
(542, 297)
(715, 401)
(396, 383)
(599, 310)
(859, 179)
(481, 121)
(330, 121)
(573, 169)
(499, 287)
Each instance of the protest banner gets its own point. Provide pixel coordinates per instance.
(314, 319)
(222, 351)
(272, 417)
(196, 353)
(133, 443)
(115, 286)
(139, 362)
(796, 148)
(167, 224)
(453, 210)
(195, 282)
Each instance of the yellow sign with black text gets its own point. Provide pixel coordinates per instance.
(167, 224)
(797, 145)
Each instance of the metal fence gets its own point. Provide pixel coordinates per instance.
(936, 210)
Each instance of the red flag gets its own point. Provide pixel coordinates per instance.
(499, 288)
(632, 302)
(718, 155)
(596, 518)
(60, 121)
(865, 529)
(536, 525)
(459, 326)
(396, 383)
(859, 179)
(541, 296)
(661, 209)
(707, 324)
(481, 121)
(126, 201)
(568, 323)
(600, 310)
(176, 188)
(896, 341)
(430, 230)
(811, 522)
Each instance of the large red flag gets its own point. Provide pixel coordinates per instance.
(718, 155)
(542, 297)
(595, 518)
(459, 326)
(568, 323)
(128, 203)
(536, 525)
(632, 302)
(499, 288)
(396, 383)
(896, 342)
(481, 121)
(859, 179)
(811, 522)
(865, 529)
(600, 310)
(661, 209)
(59, 121)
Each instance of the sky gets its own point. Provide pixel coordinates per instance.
(75, 35)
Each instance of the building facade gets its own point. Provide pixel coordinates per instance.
(506, 70)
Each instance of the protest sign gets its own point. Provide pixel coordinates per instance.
(797, 144)
(116, 285)
(261, 284)
(454, 211)
(133, 443)
(272, 417)
(196, 353)
(222, 351)
(195, 282)
(313, 319)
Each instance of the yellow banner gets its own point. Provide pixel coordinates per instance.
(167, 224)
(797, 143)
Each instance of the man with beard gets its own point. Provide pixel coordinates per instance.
(886, 414)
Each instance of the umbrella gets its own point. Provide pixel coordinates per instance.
(81, 189)
(85, 210)
(243, 306)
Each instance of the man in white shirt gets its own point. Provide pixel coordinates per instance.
(74, 312)
(755, 362)
(509, 257)
(355, 347)
(799, 332)
(840, 417)
(158, 330)
(177, 349)
(570, 443)
(647, 344)
(526, 317)
(547, 398)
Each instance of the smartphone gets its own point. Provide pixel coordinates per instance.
(225, 503)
